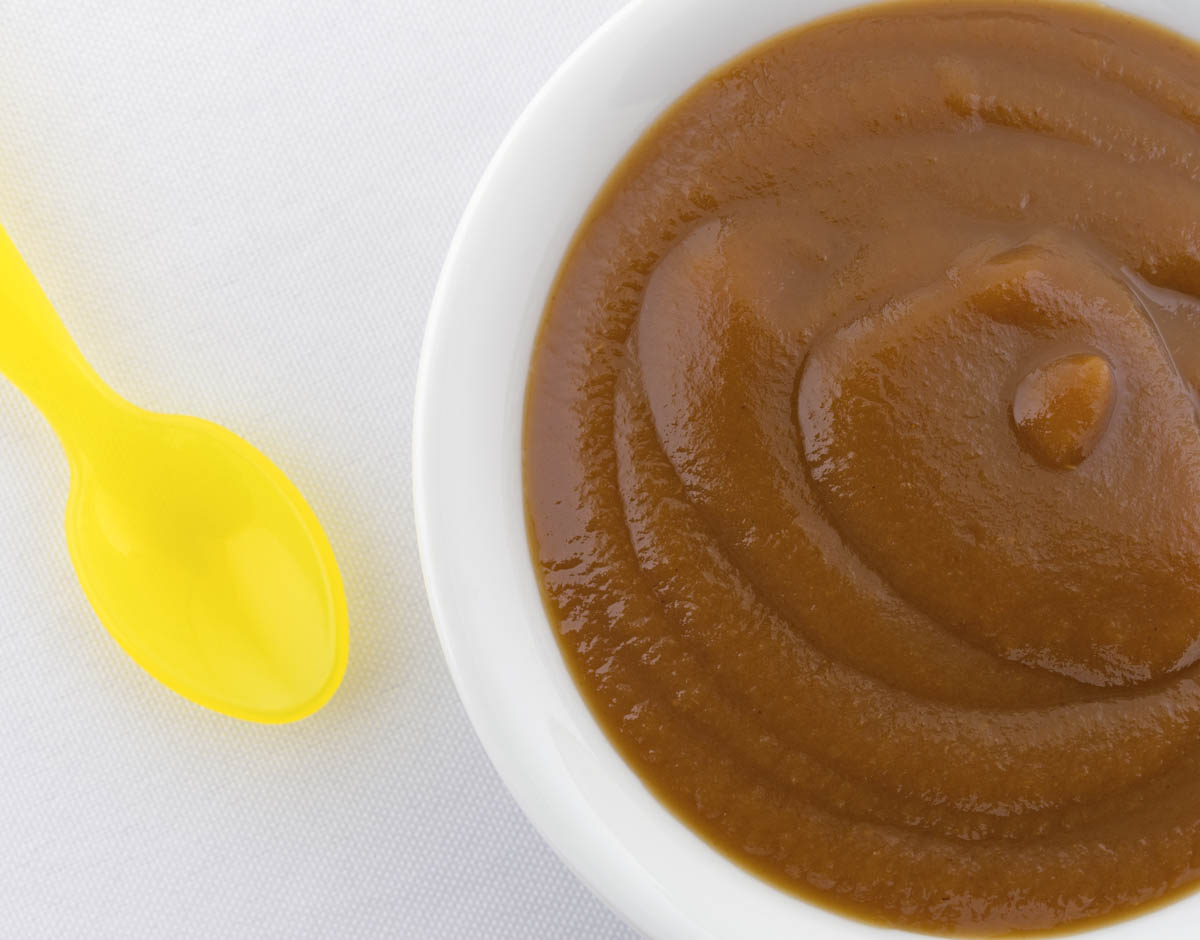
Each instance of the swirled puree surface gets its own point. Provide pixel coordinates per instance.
(863, 464)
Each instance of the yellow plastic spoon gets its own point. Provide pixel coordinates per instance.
(197, 553)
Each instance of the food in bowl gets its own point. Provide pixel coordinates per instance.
(863, 465)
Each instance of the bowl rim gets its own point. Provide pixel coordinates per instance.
(551, 754)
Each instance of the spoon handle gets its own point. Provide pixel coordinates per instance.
(40, 358)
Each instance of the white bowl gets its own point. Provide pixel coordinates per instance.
(502, 653)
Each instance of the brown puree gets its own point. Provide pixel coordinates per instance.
(863, 463)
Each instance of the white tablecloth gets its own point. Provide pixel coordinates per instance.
(239, 208)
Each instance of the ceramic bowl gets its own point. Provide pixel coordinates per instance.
(498, 642)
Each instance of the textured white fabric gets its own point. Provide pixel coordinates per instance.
(239, 208)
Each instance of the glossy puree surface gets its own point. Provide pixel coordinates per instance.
(863, 465)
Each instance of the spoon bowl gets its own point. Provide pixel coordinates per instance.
(208, 568)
